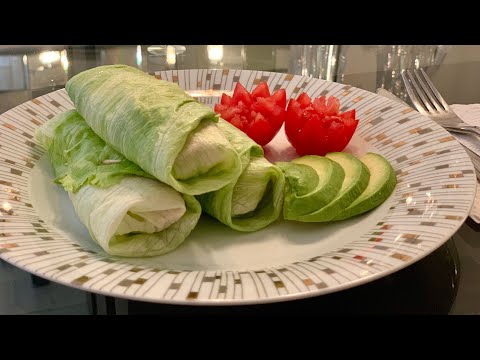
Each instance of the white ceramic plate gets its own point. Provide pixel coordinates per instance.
(39, 231)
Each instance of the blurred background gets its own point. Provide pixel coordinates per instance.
(30, 71)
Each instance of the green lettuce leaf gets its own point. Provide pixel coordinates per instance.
(254, 200)
(79, 156)
(137, 217)
(155, 124)
(127, 212)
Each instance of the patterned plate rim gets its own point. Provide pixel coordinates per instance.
(31, 244)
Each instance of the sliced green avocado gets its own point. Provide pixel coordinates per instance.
(381, 184)
(312, 182)
(355, 182)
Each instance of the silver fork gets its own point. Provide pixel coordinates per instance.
(430, 103)
(434, 106)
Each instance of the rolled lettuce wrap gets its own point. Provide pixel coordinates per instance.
(158, 126)
(255, 199)
(127, 212)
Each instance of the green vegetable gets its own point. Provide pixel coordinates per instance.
(380, 186)
(79, 156)
(126, 211)
(155, 124)
(312, 183)
(254, 200)
(356, 180)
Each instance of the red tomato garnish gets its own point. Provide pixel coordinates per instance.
(258, 114)
(261, 91)
(318, 127)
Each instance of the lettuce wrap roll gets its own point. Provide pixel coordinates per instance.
(255, 199)
(127, 212)
(158, 126)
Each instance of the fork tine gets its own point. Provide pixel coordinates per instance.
(411, 94)
(435, 91)
(428, 93)
(421, 93)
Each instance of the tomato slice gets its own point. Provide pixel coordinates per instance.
(228, 112)
(311, 138)
(295, 117)
(280, 98)
(241, 94)
(260, 130)
(226, 100)
(320, 105)
(304, 100)
(316, 126)
(237, 122)
(349, 115)
(333, 106)
(350, 127)
(259, 114)
(261, 91)
(264, 105)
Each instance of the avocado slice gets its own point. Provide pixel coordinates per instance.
(312, 182)
(356, 180)
(381, 184)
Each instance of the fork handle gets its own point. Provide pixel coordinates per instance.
(464, 129)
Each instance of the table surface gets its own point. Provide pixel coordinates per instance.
(445, 282)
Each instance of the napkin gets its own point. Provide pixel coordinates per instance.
(471, 115)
